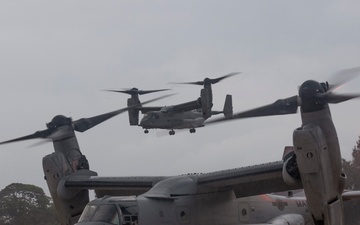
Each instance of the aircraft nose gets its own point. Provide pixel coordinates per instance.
(145, 122)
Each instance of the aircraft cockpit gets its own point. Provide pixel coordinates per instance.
(110, 210)
(151, 115)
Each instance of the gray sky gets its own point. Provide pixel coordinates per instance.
(57, 56)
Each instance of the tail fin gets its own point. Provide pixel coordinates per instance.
(228, 107)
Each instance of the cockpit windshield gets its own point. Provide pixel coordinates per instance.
(151, 115)
(106, 213)
(111, 210)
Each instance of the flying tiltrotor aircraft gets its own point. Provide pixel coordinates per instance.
(221, 197)
(189, 115)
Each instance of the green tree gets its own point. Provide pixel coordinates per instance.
(22, 204)
(352, 171)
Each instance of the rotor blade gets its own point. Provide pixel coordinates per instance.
(216, 80)
(38, 134)
(341, 77)
(135, 91)
(141, 92)
(120, 91)
(84, 124)
(195, 83)
(216, 112)
(280, 107)
(337, 98)
(156, 99)
(212, 81)
(41, 142)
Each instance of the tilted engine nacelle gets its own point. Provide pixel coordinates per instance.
(133, 113)
(290, 171)
(69, 203)
(288, 219)
(206, 101)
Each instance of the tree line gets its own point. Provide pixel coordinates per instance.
(22, 204)
(352, 171)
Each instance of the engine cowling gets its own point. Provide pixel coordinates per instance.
(69, 203)
(133, 113)
(206, 102)
(290, 171)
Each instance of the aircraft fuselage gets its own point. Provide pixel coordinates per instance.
(172, 120)
(203, 209)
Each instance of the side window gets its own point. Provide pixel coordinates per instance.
(183, 215)
(129, 215)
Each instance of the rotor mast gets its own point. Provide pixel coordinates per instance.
(134, 104)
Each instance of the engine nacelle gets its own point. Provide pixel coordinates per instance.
(133, 113)
(56, 166)
(206, 102)
(288, 219)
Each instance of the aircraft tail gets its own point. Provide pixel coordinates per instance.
(228, 107)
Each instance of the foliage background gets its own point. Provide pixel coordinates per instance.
(22, 204)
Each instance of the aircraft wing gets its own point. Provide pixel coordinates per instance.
(121, 186)
(245, 181)
(248, 181)
(187, 106)
(149, 109)
(183, 107)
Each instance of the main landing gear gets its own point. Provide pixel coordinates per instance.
(192, 130)
(146, 131)
(172, 132)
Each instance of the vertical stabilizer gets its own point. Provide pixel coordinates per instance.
(228, 107)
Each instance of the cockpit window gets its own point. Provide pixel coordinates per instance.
(88, 213)
(101, 213)
(106, 213)
(151, 115)
(146, 115)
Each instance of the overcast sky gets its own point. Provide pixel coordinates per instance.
(57, 56)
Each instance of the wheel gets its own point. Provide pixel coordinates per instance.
(171, 132)
(192, 130)
(146, 131)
